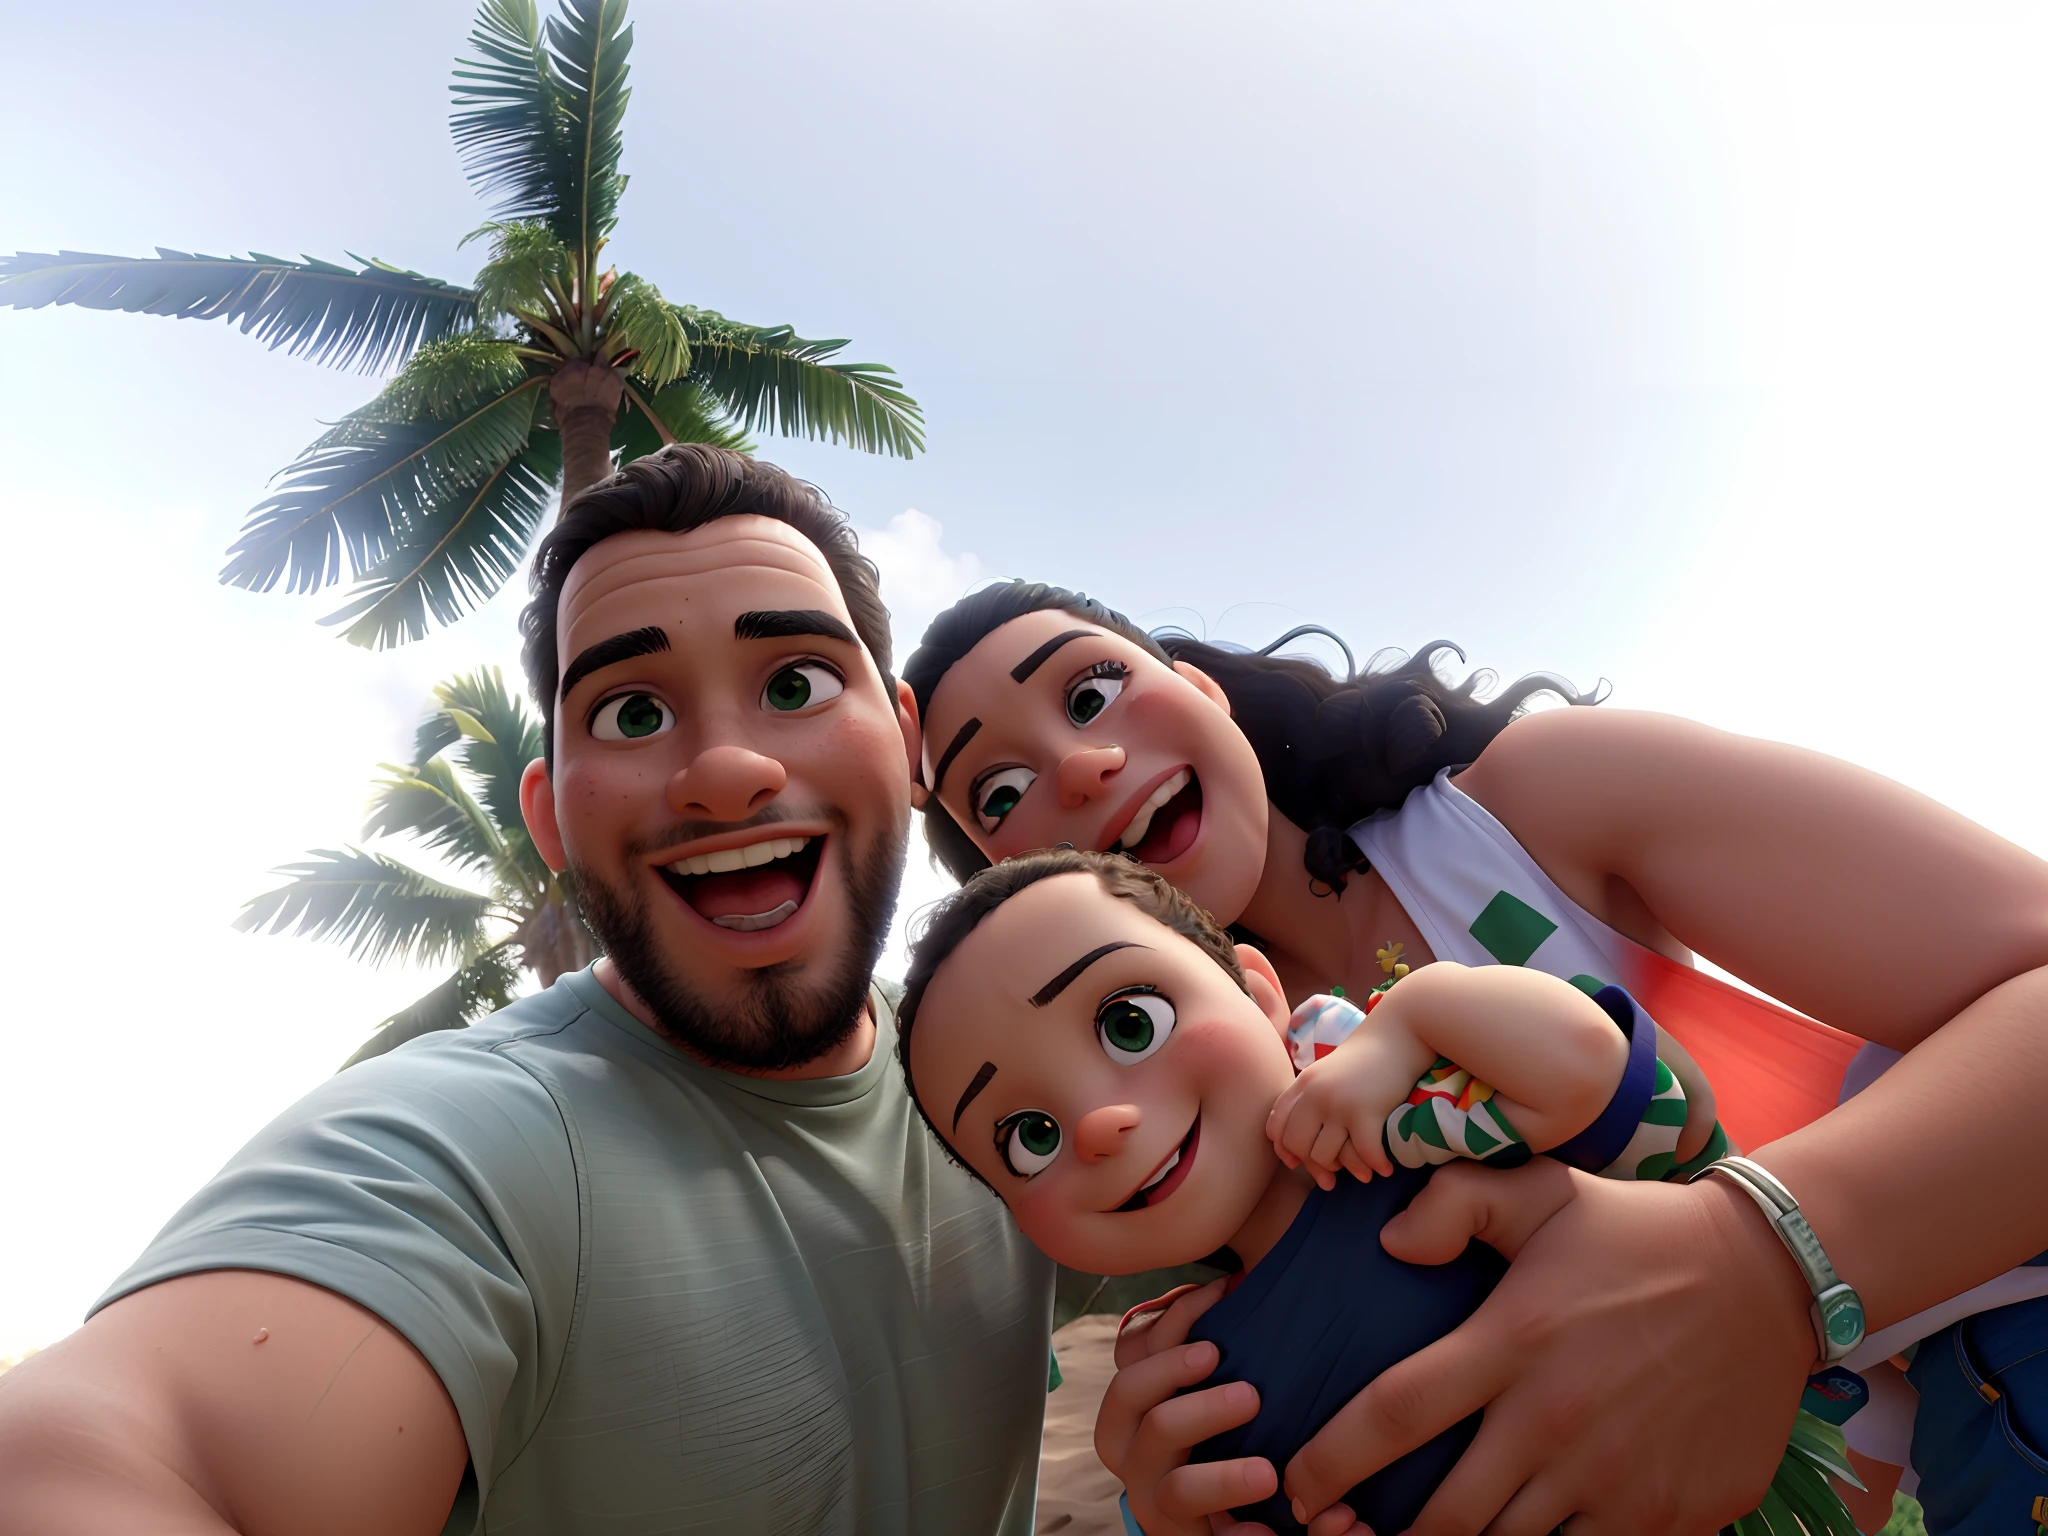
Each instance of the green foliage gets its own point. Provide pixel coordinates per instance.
(429, 496)
(637, 320)
(381, 909)
(367, 318)
(459, 799)
(371, 484)
(770, 378)
(1801, 1501)
(1906, 1518)
(540, 112)
(530, 273)
(687, 413)
(481, 987)
(449, 558)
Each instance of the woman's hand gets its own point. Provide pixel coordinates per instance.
(1639, 1364)
(1143, 1432)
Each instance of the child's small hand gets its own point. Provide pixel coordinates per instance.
(1333, 1115)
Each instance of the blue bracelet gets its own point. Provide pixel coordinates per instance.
(1131, 1526)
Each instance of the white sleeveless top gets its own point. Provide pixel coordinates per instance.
(1478, 898)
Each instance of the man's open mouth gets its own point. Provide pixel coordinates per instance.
(1166, 825)
(1168, 1176)
(751, 887)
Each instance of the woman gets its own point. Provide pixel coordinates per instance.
(1328, 817)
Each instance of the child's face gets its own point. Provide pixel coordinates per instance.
(1117, 1103)
(1077, 749)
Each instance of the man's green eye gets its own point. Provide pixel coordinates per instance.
(801, 686)
(630, 716)
(1027, 1141)
(997, 795)
(1134, 1025)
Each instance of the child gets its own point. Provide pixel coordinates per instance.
(1084, 1040)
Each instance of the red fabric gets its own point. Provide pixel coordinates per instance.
(1772, 1070)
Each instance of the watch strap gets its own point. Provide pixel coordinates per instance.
(1837, 1311)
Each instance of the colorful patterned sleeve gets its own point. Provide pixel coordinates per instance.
(1451, 1114)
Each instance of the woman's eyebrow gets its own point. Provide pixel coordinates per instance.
(964, 736)
(1036, 659)
(988, 1070)
(1059, 983)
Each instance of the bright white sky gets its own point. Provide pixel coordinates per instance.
(1692, 346)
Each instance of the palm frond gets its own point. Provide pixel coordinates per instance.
(443, 381)
(451, 556)
(432, 803)
(638, 320)
(530, 272)
(507, 739)
(772, 379)
(538, 116)
(366, 318)
(483, 986)
(1800, 1500)
(380, 908)
(686, 413)
(353, 495)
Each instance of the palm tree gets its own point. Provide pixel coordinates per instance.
(526, 381)
(458, 799)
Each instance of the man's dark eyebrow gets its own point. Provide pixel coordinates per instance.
(1036, 659)
(965, 736)
(1058, 984)
(634, 642)
(988, 1070)
(789, 623)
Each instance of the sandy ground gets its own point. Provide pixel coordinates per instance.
(1076, 1494)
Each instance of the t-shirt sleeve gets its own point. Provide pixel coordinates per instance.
(436, 1187)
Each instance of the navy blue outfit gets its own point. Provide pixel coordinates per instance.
(1325, 1312)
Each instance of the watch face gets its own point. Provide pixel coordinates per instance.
(1842, 1316)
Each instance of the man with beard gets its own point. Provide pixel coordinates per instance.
(663, 1247)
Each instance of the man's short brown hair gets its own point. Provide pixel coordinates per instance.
(680, 488)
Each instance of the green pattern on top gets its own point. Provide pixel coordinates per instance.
(1588, 984)
(1511, 930)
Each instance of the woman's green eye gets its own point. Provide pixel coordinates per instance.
(801, 686)
(1134, 1025)
(1027, 1141)
(1096, 691)
(997, 795)
(629, 717)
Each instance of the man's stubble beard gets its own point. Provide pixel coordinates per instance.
(776, 1020)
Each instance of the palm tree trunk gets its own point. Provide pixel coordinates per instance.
(585, 396)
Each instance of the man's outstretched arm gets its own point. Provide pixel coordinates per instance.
(231, 1400)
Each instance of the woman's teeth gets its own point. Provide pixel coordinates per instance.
(1141, 823)
(726, 860)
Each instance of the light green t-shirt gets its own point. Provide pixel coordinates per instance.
(663, 1298)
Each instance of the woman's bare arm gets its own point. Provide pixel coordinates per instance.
(228, 1402)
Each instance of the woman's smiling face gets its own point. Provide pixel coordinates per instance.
(1055, 730)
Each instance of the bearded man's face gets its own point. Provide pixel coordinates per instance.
(729, 786)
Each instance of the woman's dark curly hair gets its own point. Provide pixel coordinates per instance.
(1333, 750)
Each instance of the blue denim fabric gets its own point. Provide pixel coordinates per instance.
(1980, 1438)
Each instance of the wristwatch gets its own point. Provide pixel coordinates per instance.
(1837, 1310)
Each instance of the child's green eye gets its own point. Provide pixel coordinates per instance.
(1027, 1141)
(1132, 1025)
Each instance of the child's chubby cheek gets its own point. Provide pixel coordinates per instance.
(1230, 1058)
